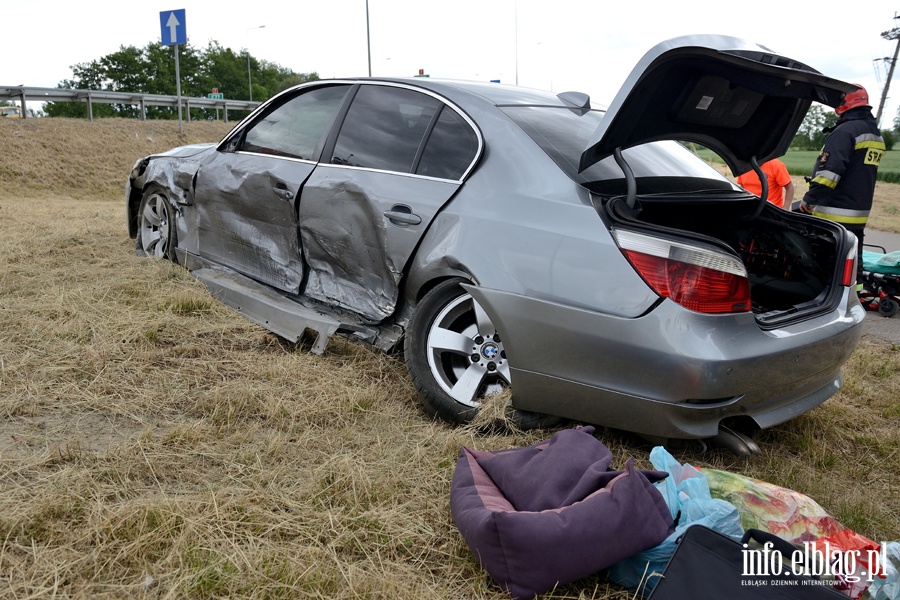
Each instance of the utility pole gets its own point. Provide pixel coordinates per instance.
(368, 39)
(893, 34)
(249, 76)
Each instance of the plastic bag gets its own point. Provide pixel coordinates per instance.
(685, 491)
(888, 587)
(800, 520)
(782, 511)
(851, 583)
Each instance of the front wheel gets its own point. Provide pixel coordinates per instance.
(156, 226)
(456, 358)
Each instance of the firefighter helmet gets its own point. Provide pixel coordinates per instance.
(853, 99)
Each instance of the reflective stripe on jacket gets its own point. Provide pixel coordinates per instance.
(842, 215)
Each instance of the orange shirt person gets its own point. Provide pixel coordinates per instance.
(779, 179)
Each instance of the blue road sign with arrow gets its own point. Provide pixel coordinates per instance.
(173, 25)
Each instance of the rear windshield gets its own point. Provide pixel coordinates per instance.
(659, 166)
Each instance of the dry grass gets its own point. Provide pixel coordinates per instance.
(84, 160)
(153, 444)
(885, 207)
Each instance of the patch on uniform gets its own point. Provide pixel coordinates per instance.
(823, 158)
(873, 156)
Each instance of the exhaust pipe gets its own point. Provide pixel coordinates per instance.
(739, 443)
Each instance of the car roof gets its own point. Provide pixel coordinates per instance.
(464, 92)
(495, 93)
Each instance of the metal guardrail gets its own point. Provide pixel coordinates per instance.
(33, 94)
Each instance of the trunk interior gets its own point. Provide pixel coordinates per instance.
(792, 260)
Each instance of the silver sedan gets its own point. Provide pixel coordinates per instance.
(512, 238)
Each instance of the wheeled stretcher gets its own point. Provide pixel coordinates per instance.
(881, 281)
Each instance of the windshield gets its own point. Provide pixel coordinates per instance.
(659, 167)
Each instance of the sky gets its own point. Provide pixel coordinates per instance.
(582, 45)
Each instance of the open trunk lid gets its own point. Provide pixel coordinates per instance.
(735, 97)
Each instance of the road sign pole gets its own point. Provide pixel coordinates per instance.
(178, 90)
(173, 32)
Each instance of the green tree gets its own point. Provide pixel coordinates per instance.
(296, 79)
(810, 135)
(227, 71)
(151, 70)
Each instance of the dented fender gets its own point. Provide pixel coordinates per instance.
(173, 170)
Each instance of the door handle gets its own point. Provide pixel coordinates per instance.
(281, 190)
(402, 216)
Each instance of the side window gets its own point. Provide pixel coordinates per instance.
(294, 128)
(451, 147)
(384, 128)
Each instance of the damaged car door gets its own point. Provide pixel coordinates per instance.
(247, 194)
(400, 155)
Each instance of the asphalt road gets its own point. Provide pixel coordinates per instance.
(876, 325)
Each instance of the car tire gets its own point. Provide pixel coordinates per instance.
(455, 357)
(156, 225)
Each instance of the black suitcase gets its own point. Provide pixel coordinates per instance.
(708, 564)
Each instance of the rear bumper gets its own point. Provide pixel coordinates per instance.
(671, 373)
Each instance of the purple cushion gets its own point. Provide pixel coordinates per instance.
(567, 468)
(568, 531)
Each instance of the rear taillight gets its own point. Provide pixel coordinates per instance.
(700, 279)
(849, 277)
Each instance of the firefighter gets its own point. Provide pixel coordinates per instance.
(843, 179)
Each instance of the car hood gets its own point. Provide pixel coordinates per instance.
(186, 151)
(735, 97)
